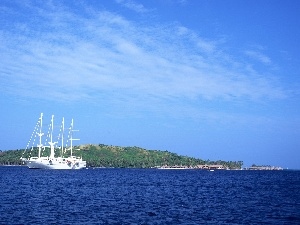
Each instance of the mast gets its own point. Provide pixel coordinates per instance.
(62, 136)
(51, 143)
(71, 138)
(40, 134)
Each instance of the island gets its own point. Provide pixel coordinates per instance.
(102, 155)
(109, 156)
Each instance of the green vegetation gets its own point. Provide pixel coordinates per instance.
(122, 157)
(11, 157)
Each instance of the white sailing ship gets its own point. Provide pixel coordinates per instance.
(51, 161)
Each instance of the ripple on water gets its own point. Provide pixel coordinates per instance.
(148, 196)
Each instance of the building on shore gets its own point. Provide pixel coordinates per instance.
(211, 167)
(264, 168)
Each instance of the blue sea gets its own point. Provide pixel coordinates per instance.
(148, 196)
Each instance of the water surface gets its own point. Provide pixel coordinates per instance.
(148, 196)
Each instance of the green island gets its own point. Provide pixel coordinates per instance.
(124, 157)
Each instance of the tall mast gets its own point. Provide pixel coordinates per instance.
(40, 134)
(62, 136)
(50, 142)
(71, 138)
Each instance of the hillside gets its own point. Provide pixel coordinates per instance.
(121, 157)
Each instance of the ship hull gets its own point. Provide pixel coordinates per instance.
(55, 164)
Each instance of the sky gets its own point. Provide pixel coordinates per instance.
(210, 79)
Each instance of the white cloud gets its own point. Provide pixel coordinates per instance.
(106, 55)
(132, 5)
(259, 56)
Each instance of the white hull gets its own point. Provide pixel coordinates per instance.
(56, 163)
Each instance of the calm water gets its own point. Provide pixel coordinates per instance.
(148, 196)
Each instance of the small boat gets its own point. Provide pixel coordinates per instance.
(50, 161)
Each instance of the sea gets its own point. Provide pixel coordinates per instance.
(148, 196)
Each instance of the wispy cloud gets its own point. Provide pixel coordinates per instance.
(105, 57)
(132, 5)
(259, 56)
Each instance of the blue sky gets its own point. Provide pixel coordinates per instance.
(208, 79)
